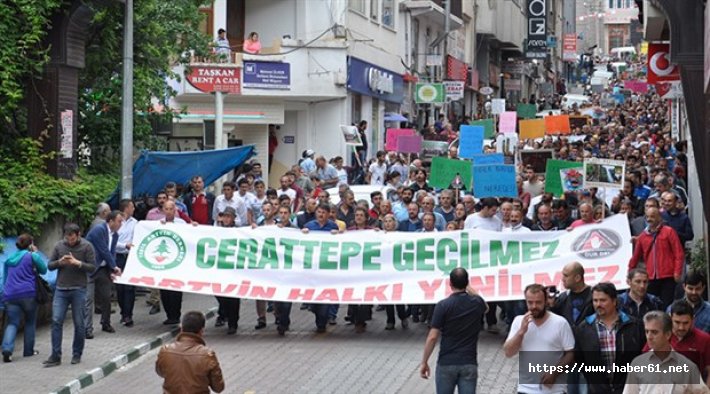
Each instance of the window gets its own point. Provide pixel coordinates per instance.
(374, 9)
(611, 3)
(388, 13)
(357, 6)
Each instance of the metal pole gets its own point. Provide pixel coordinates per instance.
(447, 29)
(219, 140)
(127, 105)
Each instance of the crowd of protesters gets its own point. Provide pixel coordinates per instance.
(654, 199)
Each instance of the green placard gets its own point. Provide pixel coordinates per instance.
(526, 111)
(553, 183)
(444, 171)
(488, 126)
(427, 93)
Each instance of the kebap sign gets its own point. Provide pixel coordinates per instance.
(366, 267)
(267, 75)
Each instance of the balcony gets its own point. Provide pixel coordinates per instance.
(435, 11)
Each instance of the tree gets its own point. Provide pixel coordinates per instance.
(162, 249)
(23, 26)
(164, 32)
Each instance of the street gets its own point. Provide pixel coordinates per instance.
(339, 361)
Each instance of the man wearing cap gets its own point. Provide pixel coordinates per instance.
(307, 163)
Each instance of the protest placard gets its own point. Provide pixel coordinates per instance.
(579, 121)
(636, 86)
(604, 173)
(471, 141)
(351, 135)
(488, 125)
(393, 134)
(572, 179)
(409, 143)
(507, 122)
(557, 124)
(494, 180)
(444, 171)
(526, 111)
(553, 183)
(488, 158)
(497, 106)
(532, 128)
(536, 159)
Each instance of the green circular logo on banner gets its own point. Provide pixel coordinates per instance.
(162, 250)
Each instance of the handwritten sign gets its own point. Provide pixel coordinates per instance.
(636, 86)
(471, 141)
(526, 111)
(488, 158)
(488, 126)
(553, 182)
(409, 143)
(507, 123)
(393, 134)
(444, 172)
(532, 128)
(494, 180)
(497, 106)
(557, 124)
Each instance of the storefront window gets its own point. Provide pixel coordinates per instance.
(357, 6)
(388, 13)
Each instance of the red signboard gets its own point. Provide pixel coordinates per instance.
(215, 78)
(660, 67)
(569, 47)
(456, 69)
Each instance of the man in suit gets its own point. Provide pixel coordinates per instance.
(199, 202)
(103, 238)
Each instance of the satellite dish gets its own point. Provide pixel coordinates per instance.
(487, 90)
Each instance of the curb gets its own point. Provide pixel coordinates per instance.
(94, 375)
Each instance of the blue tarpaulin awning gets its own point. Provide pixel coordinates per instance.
(152, 170)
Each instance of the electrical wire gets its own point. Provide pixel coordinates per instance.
(298, 47)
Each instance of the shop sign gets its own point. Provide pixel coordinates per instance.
(374, 81)
(214, 78)
(429, 93)
(267, 75)
(454, 90)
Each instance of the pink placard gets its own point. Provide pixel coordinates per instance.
(409, 143)
(393, 134)
(636, 86)
(508, 122)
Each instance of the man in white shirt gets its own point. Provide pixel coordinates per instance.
(378, 169)
(486, 218)
(287, 190)
(228, 199)
(125, 294)
(543, 339)
(246, 216)
(532, 185)
(516, 223)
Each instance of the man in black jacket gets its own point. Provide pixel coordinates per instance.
(607, 338)
(575, 304)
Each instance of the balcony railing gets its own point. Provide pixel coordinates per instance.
(236, 55)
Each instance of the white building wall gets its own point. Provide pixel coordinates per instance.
(270, 19)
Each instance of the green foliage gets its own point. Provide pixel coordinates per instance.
(30, 197)
(163, 33)
(23, 26)
(699, 256)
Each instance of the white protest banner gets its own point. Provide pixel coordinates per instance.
(604, 173)
(367, 267)
(497, 106)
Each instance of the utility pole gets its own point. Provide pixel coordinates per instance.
(447, 29)
(127, 105)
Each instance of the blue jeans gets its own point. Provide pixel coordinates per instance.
(15, 310)
(449, 377)
(333, 311)
(62, 299)
(321, 312)
(283, 313)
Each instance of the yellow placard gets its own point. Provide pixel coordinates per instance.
(532, 128)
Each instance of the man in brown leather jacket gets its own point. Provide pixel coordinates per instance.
(187, 365)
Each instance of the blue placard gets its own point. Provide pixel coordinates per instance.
(494, 181)
(488, 158)
(471, 142)
(267, 75)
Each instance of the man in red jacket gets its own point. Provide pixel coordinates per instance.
(660, 248)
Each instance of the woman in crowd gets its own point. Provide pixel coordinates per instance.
(460, 215)
(360, 314)
(19, 295)
(389, 224)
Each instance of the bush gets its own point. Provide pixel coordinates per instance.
(30, 197)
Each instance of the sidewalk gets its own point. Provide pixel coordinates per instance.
(28, 375)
